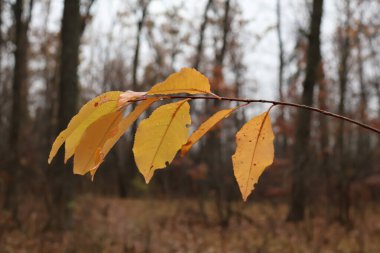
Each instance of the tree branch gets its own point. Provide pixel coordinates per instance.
(275, 103)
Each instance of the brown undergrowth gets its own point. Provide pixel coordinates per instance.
(116, 225)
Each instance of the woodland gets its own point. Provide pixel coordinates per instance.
(189, 126)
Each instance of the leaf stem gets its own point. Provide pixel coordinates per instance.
(274, 103)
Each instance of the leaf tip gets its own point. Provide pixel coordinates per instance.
(245, 196)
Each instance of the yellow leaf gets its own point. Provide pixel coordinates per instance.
(88, 154)
(254, 152)
(126, 122)
(188, 80)
(205, 127)
(84, 112)
(109, 105)
(159, 137)
(102, 135)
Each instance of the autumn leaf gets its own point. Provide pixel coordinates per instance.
(254, 152)
(159, 137)
(91, 111)
(205, 127)
(188, 80)
(73, 139)
(126, 122)
(88, 154)
(102, 135)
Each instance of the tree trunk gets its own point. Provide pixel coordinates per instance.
(282, 140)
(68, 83)
(124, 177)
(202, 30)
(19, 98)
(62, 179)
(20, 73)
(1, 47)
(363, 143)
(140, 24)
(213, 143)
(303, 127)
(342, 184)
(324, 135)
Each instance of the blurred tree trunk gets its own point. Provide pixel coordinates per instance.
(363, 144)
(202, 30)
(143, 4)
(324, 134)
(20, 75)
(124, 177)
(73, 26)
(62, 179)
(303, 127)
(50, 76)
(219, 61)
(281, 51)
(201, 185)
(342, 184)
(282, 140)
(3, 89)
(19, 112)
(2, 85)
(214, 158)
(68, 82)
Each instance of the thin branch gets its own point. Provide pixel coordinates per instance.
(273, 102)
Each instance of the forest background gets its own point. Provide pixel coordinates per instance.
(322, 192)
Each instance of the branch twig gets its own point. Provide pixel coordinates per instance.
(273, 102)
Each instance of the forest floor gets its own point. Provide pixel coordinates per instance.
(116, 225)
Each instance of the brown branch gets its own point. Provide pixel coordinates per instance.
(273, 102)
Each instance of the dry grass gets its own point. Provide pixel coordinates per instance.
(114, 225)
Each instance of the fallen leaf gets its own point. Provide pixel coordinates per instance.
(159, 137)
(188, 80)
(254, 152)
